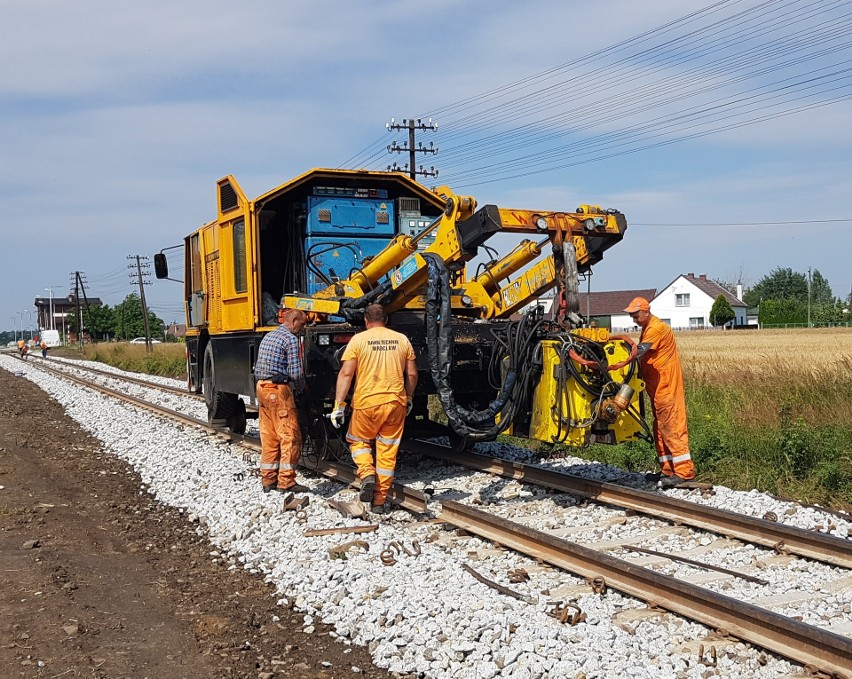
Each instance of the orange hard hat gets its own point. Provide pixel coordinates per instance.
(638, 304)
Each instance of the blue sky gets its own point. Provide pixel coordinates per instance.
(117, 120)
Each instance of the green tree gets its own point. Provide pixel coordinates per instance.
(778, 311)
(781, 283)
(128, 322)
(99, 320)
(722, 312)
(820, 289)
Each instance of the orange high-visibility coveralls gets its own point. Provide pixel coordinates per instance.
(378, 404)
(280, 436)
(663, 377)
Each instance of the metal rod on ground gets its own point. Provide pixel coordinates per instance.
(693, 562)
(500, 588)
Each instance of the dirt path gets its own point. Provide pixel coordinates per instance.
(100, 580)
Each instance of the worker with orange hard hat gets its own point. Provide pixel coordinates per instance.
(661, 371)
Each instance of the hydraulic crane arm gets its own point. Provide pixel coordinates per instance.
(584, 235)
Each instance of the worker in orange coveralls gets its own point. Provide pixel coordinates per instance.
(280, 380)
(386, 378)
(663, 377)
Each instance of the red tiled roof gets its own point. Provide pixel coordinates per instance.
(611, 303)
(712, 288)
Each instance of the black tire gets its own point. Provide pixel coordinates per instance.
(221, 406)
(237, 422)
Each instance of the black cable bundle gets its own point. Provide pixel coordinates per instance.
(476, 425)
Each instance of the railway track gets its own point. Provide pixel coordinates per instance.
(801, 642)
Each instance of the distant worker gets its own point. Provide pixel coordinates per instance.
(280, 379)
(661, 370)
(43, 349)
(386, 378)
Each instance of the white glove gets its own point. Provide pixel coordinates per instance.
(408, 407)
(338, 415)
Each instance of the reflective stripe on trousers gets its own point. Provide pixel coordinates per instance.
(384, 424)
(280, 437)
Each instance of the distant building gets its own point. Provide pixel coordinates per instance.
(63, 307)
(176, 330)
(685, 303)
(606, 309)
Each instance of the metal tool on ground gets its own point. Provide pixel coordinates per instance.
(314, 532)
(293, 504)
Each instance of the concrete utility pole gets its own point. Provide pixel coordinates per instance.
(809, 297)
(50, 290)
(139, 266)
(14, 329)
(411, 125)
(21, 317)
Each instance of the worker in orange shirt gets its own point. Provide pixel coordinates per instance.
(384, 362)
(661, 371)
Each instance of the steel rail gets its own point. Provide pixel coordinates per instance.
(137, 380)
(778, 536)
(409, 498)
(798, 641)
(790, 638)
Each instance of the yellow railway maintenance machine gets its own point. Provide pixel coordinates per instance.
(332, 241)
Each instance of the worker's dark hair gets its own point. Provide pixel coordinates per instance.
(375, 313)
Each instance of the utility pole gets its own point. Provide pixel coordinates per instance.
(14, 329)
(79, 283)
(142, 282)
(79, 312)
(21, 316)
(809, 297)
(50, 290)
(411, 125)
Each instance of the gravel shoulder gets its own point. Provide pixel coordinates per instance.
(101, 580)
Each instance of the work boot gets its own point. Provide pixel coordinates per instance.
(380, 509)
(270, 487)
(295, 488)
(672, 481)
(368, 486)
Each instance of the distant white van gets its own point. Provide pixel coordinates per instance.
(51, 338)
(141, 340)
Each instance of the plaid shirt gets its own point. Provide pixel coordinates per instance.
(279, 353)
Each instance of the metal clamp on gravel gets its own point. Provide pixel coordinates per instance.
(302, 516)
(710, 661)
(517, 575)
(771, 516)
(387, 557)
(238, 476)
(598, 584)
(564, 615)
(781, 548)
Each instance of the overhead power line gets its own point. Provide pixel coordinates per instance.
(782, 223)
(730, 64)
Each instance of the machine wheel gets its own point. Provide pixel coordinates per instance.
(237, 422)
(221, 406)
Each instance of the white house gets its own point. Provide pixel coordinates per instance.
(687, 300)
